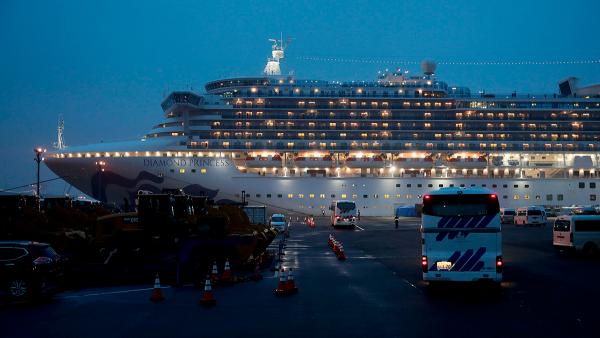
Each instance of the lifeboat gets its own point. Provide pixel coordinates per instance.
(545, 161)
(414, 162)
(365, 162)
(313, 162)
(468, 162)
(263, 161)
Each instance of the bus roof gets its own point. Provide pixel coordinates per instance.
(459, 191)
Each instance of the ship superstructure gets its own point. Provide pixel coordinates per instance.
(299, 144)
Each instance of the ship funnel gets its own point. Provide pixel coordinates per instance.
(428, 67)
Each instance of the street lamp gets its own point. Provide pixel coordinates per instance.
(38, 158)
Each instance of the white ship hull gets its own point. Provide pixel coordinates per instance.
(220, 179)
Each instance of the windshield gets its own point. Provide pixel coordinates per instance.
(562, 225)
(460, 205)
(278, 219)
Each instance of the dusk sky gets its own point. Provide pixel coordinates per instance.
(106, 65)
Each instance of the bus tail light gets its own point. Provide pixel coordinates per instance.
(499, 264)
(424, 264)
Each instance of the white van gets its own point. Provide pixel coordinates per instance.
(577, 232)
(507, 215)
(530, 216)
(278, 222)
(343, 213)
(461, 235)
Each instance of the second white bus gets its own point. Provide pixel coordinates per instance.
(343, 213)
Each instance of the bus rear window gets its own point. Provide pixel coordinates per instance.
(509, 212)
(562, 225)
(534, 212)
(460, 205)
(346, 206)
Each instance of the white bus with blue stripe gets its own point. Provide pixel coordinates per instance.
(461, 235)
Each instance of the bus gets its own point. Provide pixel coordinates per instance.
(461, 235)
(577, 232)
(530, 216)
(343, 214)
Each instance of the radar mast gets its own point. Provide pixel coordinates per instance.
(60, 141)
(278, 48)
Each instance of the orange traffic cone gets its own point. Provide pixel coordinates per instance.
(157, 294)
(214, 275)
(207, 299)
(227, 277)
(334, 247)
(282, 286)
(341, 255)
(290, 284)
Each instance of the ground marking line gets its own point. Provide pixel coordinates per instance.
(110, 293)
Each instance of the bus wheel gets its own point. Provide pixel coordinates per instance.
(590, 249)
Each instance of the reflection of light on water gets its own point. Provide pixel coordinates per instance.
(508, 284)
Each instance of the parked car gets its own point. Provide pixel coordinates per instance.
(29, 269)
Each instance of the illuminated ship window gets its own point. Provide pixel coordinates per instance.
(516, 197)
(311, 196)
(344, 196)
(300, 195)
(290, 195)
(203, 171)
(354, 196)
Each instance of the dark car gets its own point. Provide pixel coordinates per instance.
(29, 269)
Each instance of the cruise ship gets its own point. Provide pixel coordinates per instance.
(298, 144)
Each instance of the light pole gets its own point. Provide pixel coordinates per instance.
(100, 165)
(38, 158)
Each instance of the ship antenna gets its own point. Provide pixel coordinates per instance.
(60, 141)
(278, 47)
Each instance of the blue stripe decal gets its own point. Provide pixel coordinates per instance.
(442, 222)
(452, 222)
(454, 257)
(473, 259)
(486, 221)
(474, 222)
(460, 224)
(478, 266)
(462, 260)
(463, 222)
